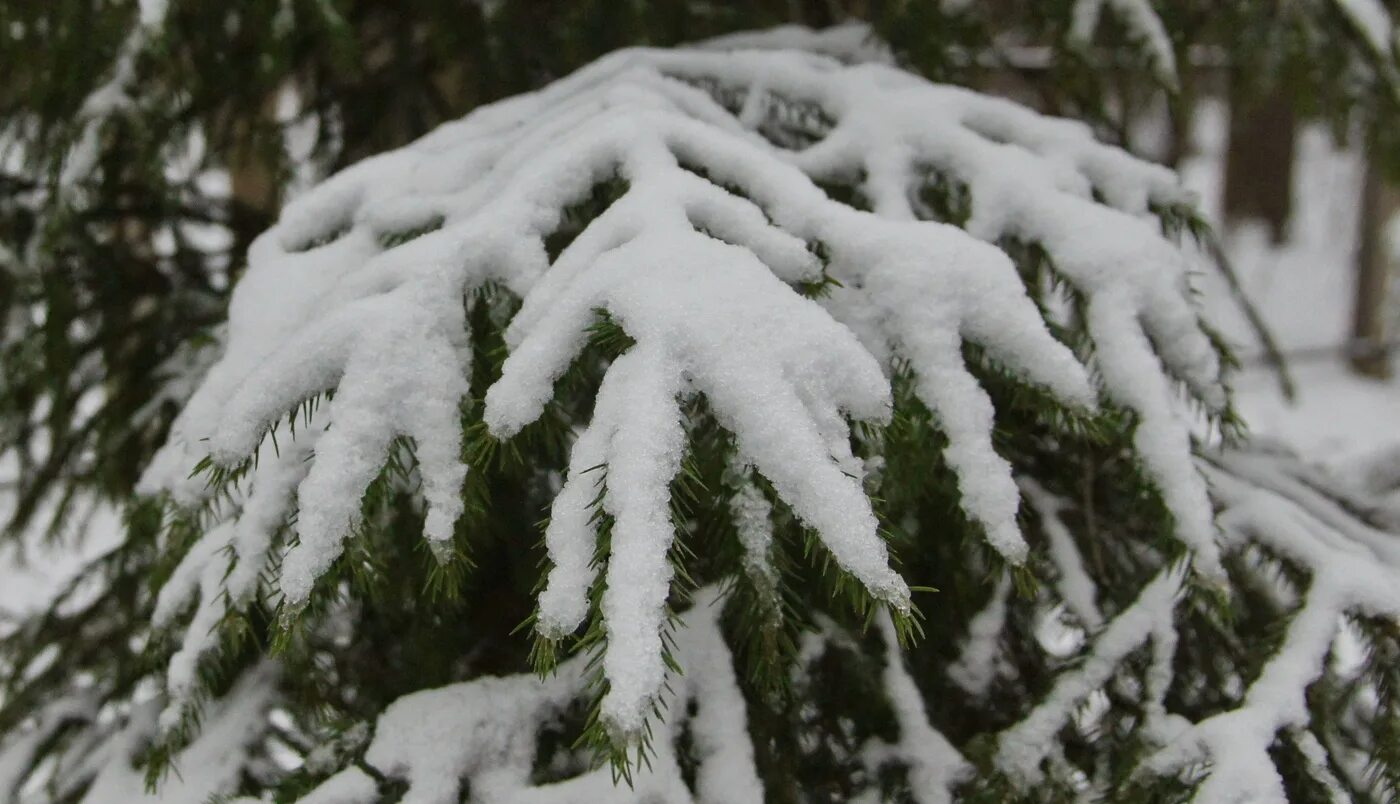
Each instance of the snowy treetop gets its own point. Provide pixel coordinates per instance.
(786, 233)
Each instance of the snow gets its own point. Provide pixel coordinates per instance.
(20, 749)
(350, 786)
(111, 98)
(703, 280)
(696, 261)
(1339, 419)
(700, 262)
(976, 667)
(851, 42)
(35, 567)
(1348, 575)
(1270, 501)
(483, 732)
(1302, 287)
(935, 765)
(1373, 20)
(222, 581)
(1142, 23)
(767, 360)
(753, 522)
(1022, 748)
(151, 13)
(212, 765)
(1076, 588)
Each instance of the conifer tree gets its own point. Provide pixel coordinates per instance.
(126, 126)
(856, 409)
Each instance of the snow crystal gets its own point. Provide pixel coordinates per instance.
(754, 525)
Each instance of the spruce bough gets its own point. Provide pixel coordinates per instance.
(858, 408)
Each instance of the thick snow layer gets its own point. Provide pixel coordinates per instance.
(360, 289)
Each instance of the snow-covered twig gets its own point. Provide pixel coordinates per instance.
(1347, 576)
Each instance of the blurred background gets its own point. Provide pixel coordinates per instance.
(143, 145)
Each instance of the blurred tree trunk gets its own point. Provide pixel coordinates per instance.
(253, 182)
(252, 156)
(1259, 162)
(1380, 201)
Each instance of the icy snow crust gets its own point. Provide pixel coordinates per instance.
(702, 278)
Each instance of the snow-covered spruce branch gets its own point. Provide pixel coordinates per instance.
(483, 734)
(89, 752)
(1227, 756)
(112, 97)
(720, 220)
(1375, 27)
(1369, 23)
(1346, 569)
(1142, 23)
(1351, 569)
(419, 739)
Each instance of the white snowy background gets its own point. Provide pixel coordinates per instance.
(1304, 290)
